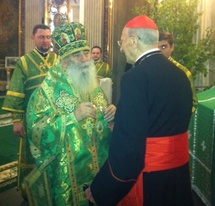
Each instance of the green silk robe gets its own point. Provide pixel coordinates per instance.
(29, 73)
(68, 153)
(103, 70)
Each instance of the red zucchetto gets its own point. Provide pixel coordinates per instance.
(141, 22)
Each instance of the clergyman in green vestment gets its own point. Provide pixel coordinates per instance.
(103, 69)
(69, 124)
(29, 73)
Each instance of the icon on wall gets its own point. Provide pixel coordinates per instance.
(59, 19)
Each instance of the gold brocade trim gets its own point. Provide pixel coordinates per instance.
(26, 166)
(180, 66)
(33, 87)
(43, 65)
(90, 126)
(24, 63)
(72, 175)
(36, 76)
(40, 67)
(16, 120)
(49, 55)
(12, 110)
(55, 57)
(47, 189)
(38, 178)
(77, 190)
(8, 166)
(15, 94)
(99, 68)
(188, 73)
(49, 95)
(66, 101)
(8, 174)
(94, 165)
(94, 154)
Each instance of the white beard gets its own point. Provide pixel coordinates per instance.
(83, 77)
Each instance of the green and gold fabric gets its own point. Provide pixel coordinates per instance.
(30, 71)
(70, 38)
(103, 70)
(68, 153)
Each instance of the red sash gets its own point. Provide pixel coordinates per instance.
(162, 153)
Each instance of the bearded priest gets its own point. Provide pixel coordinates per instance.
(69, 120)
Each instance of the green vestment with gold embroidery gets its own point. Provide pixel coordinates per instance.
(68, 153)
(30, 71)
(103, 69)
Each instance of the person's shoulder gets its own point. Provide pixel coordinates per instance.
(133, 73)
(30, 53)
(102, 61)
(106, 64)
(22, 58)
(26, 54)
(180, 66)
(103, 64)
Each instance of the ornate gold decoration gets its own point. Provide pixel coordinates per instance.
(56, 12)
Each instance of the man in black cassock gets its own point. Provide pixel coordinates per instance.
(148, 156)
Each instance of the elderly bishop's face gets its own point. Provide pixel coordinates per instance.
(82, 71)
(81, 56)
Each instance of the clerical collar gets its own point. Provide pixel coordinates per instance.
(44, 54)
(147, 54)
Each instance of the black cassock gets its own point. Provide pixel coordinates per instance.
(156, 100)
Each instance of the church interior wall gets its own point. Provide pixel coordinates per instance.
(91, 14)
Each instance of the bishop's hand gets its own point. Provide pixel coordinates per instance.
(85, 109)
